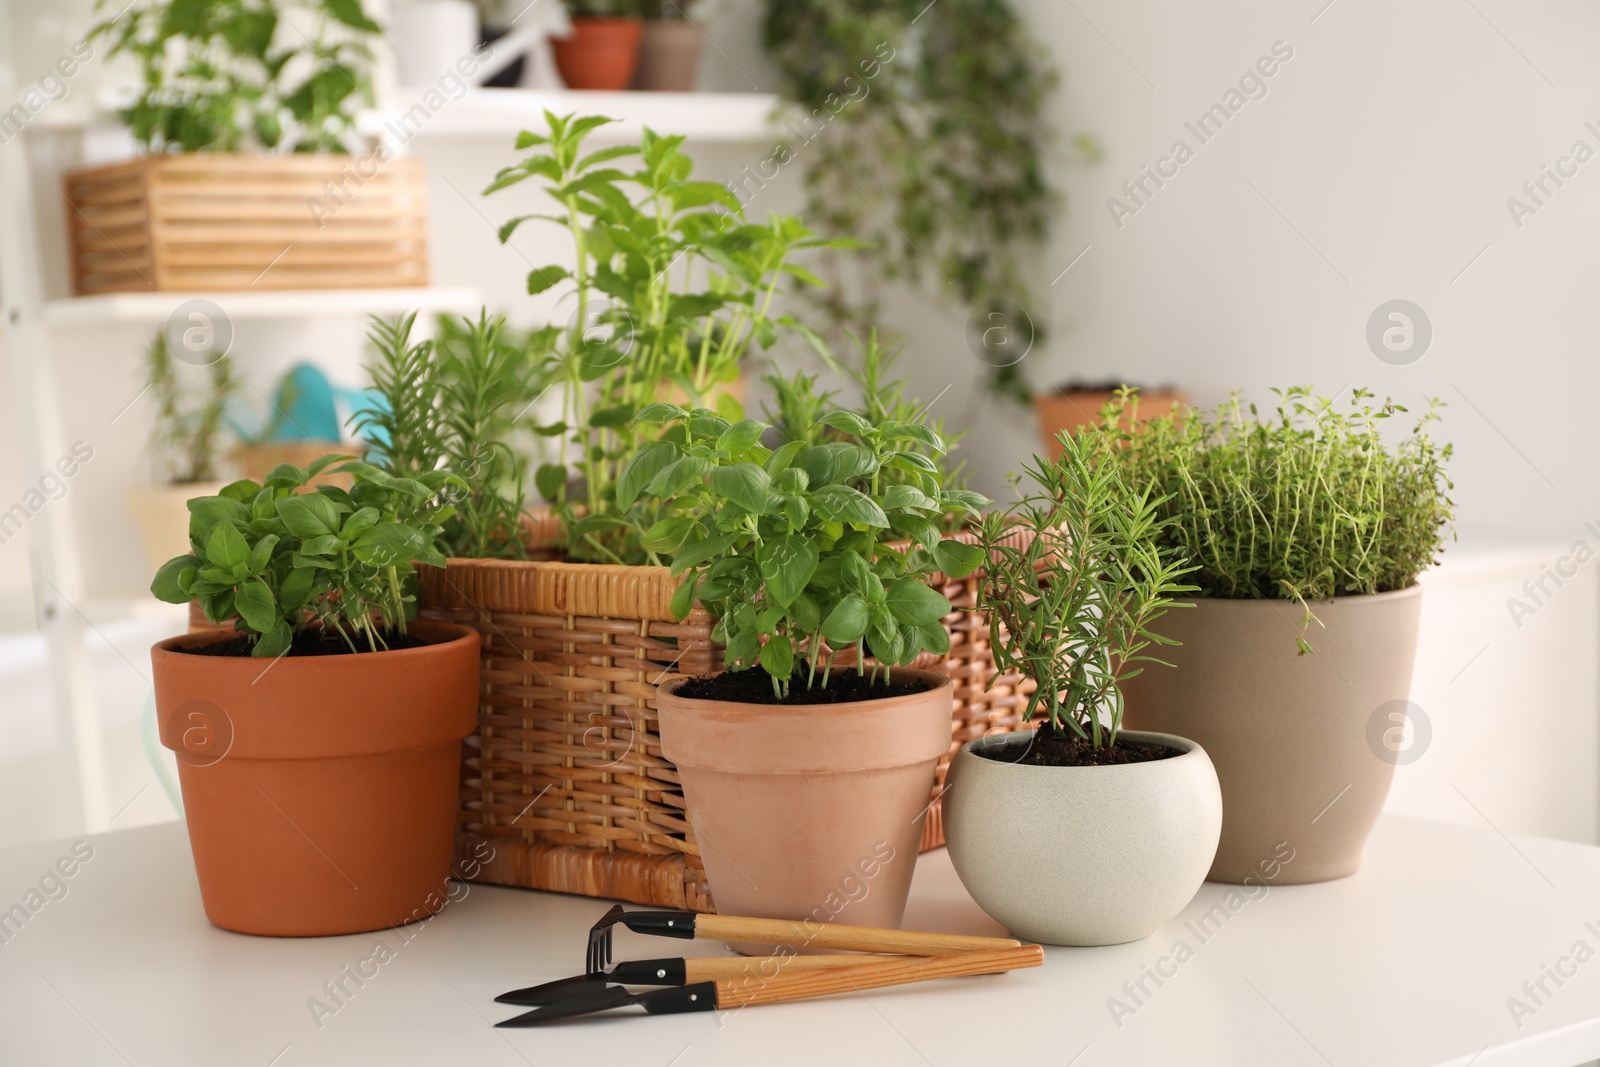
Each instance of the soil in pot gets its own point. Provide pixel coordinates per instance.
(306, 643)
(1056, 750)
(754, 686)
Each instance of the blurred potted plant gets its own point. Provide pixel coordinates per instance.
(184, 446)
(319, 740)
(1041, 825)
(1308, 532)
(669, 49)
(793, 769)
(300, 426)
(243, 120)
(1073, 405)
(602, 49)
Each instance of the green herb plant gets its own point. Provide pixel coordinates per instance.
(670, 289)
(794, 547)
(217, 73)
(1307, 505)
(1072, 604)
(282, 559)
(447, 406)
(186, 438)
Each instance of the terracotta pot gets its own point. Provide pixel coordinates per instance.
(1289, 734)
(1074, 410)
(320, 792)
(1081, 855)
(601, 53)
(809, 811)
(161, 518)
(669, 56)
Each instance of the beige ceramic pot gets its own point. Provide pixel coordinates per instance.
(1289, 734)
(161, 518)
(1081, 855)
(669, 56)
(809, 811)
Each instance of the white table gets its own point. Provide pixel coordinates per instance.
(1410, 963)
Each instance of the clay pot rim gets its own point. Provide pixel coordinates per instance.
(1190, 752)
(603, 22)
(397, 658)
(1412, 590)
(669, 688)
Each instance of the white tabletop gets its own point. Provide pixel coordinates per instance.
(1410, 962)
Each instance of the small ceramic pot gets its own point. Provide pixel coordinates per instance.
(161, 518)
(1292, 736)
(669, 56)
(600, 53)
(1081, 855)
(809, 811)
(320, 791)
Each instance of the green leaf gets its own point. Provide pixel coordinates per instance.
(836, 461)
(806, 613)
(668, 535)
(923, 531)
(777, 657)
(173, 580)
(226, 547)
(783, 457)
(841, 503)
(697, 552)
(956, 558)
(274, 642)
(678, 476)
(387, 544)
(363, 520)
(542, 278)
(744, 484)
(349, 12)
(847, 621)
(914, 602)
(910, 431)
(651, 460)
(309, 515)
(660, 413)
(683, 597)
(617, 415)
(965, 500)
(262, 553)
(255, 604)
(888, 646)
(321, 546)
(738, 438)
(787, 564)
(908, 496)
(550, 479)
(848, 421)
(297, 589)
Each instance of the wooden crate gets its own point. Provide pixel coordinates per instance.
(211, 221)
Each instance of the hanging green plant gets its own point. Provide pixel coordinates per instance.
(923, 132)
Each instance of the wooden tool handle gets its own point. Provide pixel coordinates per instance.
(837, 935)
(874, 976)
(765, 968)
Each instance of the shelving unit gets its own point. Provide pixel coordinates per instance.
(147, 308)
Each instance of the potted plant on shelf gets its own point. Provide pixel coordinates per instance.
(1081, 833)
(244, 121)
(669, 49)
(319, 740)
(1073, 405)
(1308, 533)
(602, 49)
(184, 446)
(795, 770)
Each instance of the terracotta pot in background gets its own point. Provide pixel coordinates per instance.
(601, 53)
(1291, 735)
(669, 56)
(1081, 855)
(809, 811)
(161, 518)
(1081, 407)
(256, 461)
(321, 791)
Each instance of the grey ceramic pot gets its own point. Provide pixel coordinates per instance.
(669, 56)
(1081, 855)
(1297, 740)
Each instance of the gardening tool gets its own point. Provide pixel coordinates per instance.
(678, 971)
(726, 993)
(796, 932)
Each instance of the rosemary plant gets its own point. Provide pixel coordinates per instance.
(184, 442)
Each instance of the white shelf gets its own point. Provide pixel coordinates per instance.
(502, 113)
(264, 304)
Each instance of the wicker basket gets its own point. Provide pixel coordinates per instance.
(207, 221)
(565, 777)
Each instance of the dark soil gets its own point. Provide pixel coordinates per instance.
(1109, 385)
(306, 643)
(754, 686)
(1053, 750)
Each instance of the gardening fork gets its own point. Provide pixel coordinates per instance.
(794, 932)
(727, 993)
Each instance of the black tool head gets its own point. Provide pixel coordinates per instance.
(628, 972)
(600, 940)
(548, 992)
(701, 996)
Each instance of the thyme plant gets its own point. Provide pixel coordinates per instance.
(1072, 607)
(1308, 504)
(185, 439)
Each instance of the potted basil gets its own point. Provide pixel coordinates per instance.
(1308, 531)
(1080, 833)
(318, 740)
(796, 768)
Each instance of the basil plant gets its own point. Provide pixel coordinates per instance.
(282, 559)
(805, 544)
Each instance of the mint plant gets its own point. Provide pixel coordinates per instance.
(1072, 605)
(792, 547)
(282, 559)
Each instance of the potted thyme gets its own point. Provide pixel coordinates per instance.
(322, 715)
(1052, 815)
(794, 766)
(1307, 531)
(602, 49)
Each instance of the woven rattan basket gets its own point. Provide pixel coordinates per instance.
(565, 777)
